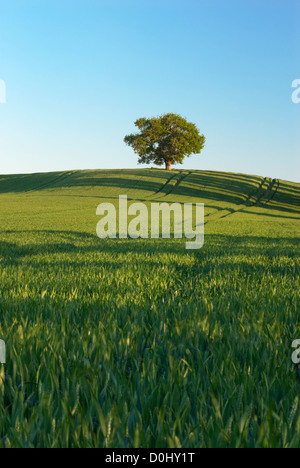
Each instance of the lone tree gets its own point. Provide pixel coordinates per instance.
(167, 139)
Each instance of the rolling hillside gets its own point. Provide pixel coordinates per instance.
(227, 196)
(139, 342)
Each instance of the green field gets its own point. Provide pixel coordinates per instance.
(142, 343)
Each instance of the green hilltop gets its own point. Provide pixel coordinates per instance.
(230, 197)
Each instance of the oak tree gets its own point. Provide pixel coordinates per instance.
(165, 140)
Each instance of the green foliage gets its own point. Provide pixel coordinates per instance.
(139, 343)
(165, 139)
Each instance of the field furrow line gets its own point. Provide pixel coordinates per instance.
(60, 178)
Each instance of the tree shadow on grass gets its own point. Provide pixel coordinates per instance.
(125, 179)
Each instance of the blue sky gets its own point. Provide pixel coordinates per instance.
(79, 73)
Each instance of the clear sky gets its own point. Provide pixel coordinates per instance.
(78, 73)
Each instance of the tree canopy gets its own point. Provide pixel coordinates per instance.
(166, 139)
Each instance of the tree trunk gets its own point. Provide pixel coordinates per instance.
(168, 165)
